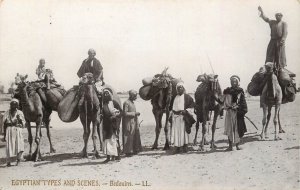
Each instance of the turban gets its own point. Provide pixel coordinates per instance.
(235, 77)
(179, 84)
(15, 100)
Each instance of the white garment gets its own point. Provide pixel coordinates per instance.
(230, 128)
(99, 86)
(92, 63)
(178, 103)
(179, 136)
(14, 137)
(110, 146)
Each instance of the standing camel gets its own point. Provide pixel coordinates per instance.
(50, 97)
(163, 89)
(206, 100)
(271, 96)
(34, 111)
(89, 112)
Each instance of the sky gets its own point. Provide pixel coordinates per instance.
(137, 39)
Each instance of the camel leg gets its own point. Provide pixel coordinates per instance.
(158, 117)
(268, 120)
(216, 114)
(99, 135)
(197, 129)
(279, 124)
(276, 137)
(94, 137)
(86, 134)
(30, 139)
(86, 139)
(37, 154)
(47, 124)
(204, 131)
(264, 121)
(167, 145)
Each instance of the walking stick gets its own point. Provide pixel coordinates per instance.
(251, 122)
(140, 123)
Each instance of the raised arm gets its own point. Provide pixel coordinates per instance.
(262, 15)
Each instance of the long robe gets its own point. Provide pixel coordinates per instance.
(14, 137)
(235, 126)
(130, 129)
(275, 51)
(179, 136)
(110, 128)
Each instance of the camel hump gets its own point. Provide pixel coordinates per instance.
(54, 96)
(67, 108)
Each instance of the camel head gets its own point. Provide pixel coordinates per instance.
(269, 67)
(87, 78)
(20, 79)
(212, 83)
(207, 78)
(87, 92)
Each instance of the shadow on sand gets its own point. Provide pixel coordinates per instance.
(294, 147)
(48, 159)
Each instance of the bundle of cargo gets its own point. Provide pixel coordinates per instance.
(67, 108)
(53, 96)
(152, 85)
(256, 85)
(285, 79)
(288, 85)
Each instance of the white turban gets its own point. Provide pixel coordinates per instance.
(14, 100)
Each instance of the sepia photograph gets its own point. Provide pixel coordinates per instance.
(149, 95)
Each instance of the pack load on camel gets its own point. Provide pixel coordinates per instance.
(160, 89)
(50, 92)
(68, 106)
(285, 79)
(153, 85)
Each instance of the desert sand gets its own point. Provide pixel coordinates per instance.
(260, 165)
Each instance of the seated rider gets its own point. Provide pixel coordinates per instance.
(42, 83)
(92, 65)
(41, 72)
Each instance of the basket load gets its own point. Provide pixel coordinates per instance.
(67, 108)
(285, 79)
(256, 85)
(152, 85)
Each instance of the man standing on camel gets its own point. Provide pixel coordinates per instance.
(276, 47)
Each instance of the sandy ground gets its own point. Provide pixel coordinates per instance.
(260, 165)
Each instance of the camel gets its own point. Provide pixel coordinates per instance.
(207, 100)
(163, 89)
(271, 96)
(34, 111)
(89, 112)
